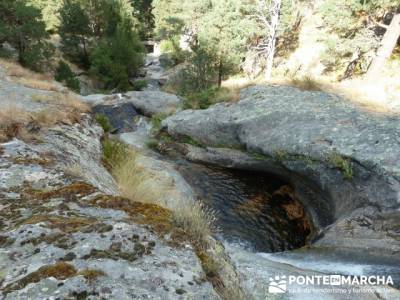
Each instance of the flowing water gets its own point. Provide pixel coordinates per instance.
(256, 210)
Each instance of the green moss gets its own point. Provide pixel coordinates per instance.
(115, 253)
(258, 156)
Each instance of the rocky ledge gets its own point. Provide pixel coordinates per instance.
(66, 234)
(343, 161)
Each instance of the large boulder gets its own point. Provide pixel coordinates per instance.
(147, 103)
(121, 116)
(153, 102)
(343, 161)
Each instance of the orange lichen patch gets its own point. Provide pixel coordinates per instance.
(91, 274)
(60, 271)
(33, 161)
(160, 218)
(69, 192)
(67, 225)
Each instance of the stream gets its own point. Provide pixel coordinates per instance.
(261, 221)
(255, 210)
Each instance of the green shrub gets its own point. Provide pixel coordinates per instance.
(104, 122)
(152, 144)
(205, 98)
(199, 100)
(74, 84)
(65, 75)
(139, 85)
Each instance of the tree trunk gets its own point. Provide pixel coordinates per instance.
(385, 49)
(220, 74)
(270, 50)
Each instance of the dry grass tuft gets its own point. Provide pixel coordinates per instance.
(13, 123)
(306, 83)
(140, 185)
(27, 77)
(376, 97)
(38, 84)
(134, 181)
(65, 99)
(75, 170)
(16, 122)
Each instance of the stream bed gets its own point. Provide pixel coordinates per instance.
(255, 210)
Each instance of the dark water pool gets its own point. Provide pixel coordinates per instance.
(257, 210)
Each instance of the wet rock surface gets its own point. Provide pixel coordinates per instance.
(121, 117)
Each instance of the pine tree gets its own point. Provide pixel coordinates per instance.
(75, 32)
(227, 30)
(22, 26)
(143, 13)
(118, 58)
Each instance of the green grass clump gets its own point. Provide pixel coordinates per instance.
(114, 153)
(208, 97)
(104, 122)
(156, 120)
(140, 85)
(190, 141)
(152, 144)
(343, 164)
